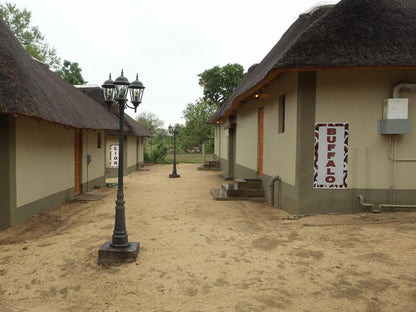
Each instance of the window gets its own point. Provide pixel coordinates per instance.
(99, 140)
(281, 114)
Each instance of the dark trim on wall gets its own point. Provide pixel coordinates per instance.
(242, 172)
(113, 172)
(223, 165)
(25, 212)
(232, 147)
(92, 184)
(7, 169)
(305, 141)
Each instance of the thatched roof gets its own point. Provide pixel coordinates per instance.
(132, 127)
(29, 88)
(350, 34)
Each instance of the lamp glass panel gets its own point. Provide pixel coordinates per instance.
(108, 94)
(121, 91)
(136, 94)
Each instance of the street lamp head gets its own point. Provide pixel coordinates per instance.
(176, 128)
(136, 92)
(122, 86)
(108, 89)
(170, 128)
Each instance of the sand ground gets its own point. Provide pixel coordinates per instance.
(198, 254)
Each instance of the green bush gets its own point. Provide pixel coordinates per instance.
(157, 155)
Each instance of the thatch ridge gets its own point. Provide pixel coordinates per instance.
(350, 34)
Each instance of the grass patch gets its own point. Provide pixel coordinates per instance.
(191, 158)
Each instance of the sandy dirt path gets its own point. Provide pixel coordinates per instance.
(198, 254)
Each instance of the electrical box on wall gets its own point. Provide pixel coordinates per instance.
(395, 108)
(395, 117)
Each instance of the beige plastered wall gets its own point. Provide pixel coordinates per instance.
(140, 149)
(95, 169)
(357, 97)
(44, 160)
(279, 149)
(131, 151)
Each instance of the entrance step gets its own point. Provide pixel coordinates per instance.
(241, 189)
(212, 165)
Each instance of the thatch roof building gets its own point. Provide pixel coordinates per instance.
(350, 34)
(28, 88)
(133, 127)
(314, 119)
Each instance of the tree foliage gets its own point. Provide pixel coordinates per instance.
(155, 147)
(196, 132)
(150, 121)
(71, 72)
(29, 36)
(219, 82)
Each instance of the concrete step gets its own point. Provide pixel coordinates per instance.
(208, 168)
(249, 183)
(228, 186)
(220, 194)
(234, 190)
(213, 163)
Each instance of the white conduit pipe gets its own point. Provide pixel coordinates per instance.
(371, 206)
(271, 186)
(367, 205)
(405, 85)
(393, 157)
(395, 206)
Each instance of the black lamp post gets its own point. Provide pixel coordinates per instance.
(120, 250)
(174, 131)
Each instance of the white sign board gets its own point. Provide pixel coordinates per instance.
(113, 155)
(331, 155)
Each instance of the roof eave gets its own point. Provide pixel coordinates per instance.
(274, 73)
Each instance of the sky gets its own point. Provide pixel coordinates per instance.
(166, 42)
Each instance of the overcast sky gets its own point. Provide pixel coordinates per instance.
(167, 42)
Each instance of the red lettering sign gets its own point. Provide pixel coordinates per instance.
(331, 131)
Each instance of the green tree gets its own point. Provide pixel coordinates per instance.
(155, 147)
(71, 72)
(196, 132)
(150, 121)
(219, 82)
(29, 36)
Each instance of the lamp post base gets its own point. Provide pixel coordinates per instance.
(174, 175)
(109, 255)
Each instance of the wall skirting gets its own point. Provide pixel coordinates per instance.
(113, 172)
(90, 185)
(323, 201)
(25, 212)
(7, 169)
